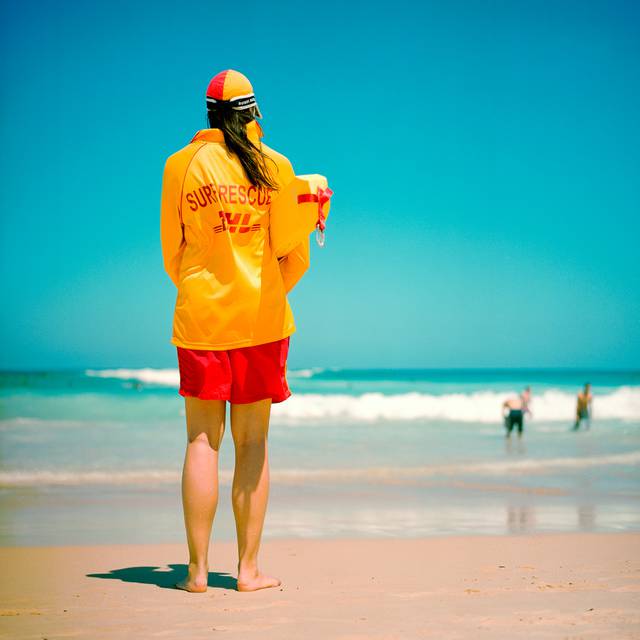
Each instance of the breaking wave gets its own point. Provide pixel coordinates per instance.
(621, 403)
(163, 377)
(479, 407)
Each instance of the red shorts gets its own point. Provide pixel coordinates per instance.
(241, 375)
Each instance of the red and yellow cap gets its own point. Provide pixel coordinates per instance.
(233, 88)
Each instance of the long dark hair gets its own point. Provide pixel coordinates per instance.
(253, 160)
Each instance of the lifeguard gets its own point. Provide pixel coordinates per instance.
(235, 225)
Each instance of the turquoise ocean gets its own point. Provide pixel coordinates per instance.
(95, 456)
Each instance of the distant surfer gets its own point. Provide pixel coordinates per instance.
(513, 410)
(584, 407)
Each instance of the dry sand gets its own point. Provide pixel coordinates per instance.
(543, 586)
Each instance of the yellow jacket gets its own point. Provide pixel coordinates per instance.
(214, 226)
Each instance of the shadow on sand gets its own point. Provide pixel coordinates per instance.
(163, 578)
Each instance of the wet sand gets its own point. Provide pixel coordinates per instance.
(578, 585)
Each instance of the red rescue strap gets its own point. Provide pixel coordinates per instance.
(321, 196)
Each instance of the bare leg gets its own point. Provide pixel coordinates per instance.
(205, 428)
(250, 491)
(576, 426)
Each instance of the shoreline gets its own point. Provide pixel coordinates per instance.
(547, 585)
(154, 515)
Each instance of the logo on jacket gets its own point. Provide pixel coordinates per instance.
(209, 194)
(230, 193)
(235, 223)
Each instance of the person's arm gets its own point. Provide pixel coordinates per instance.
(296, 262)
(526, 401)
(171, 227)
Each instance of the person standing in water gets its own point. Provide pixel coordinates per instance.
(513, 409)
(232, 320)
(584, 407)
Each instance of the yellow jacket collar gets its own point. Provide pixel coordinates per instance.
(254, 131)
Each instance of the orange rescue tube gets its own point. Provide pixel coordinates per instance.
(297, 210)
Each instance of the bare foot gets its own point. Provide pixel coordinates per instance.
(195, 582)
(256, 580)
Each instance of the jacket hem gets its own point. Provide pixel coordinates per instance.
(227, 345)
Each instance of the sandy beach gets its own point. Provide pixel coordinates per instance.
(582, 585)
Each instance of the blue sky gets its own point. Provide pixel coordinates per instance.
(485, 159)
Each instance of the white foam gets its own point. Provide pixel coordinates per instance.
(294, 476)
(75, 478)
(48, 423)
(479, 407)
(163, 377)
(304, 373)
